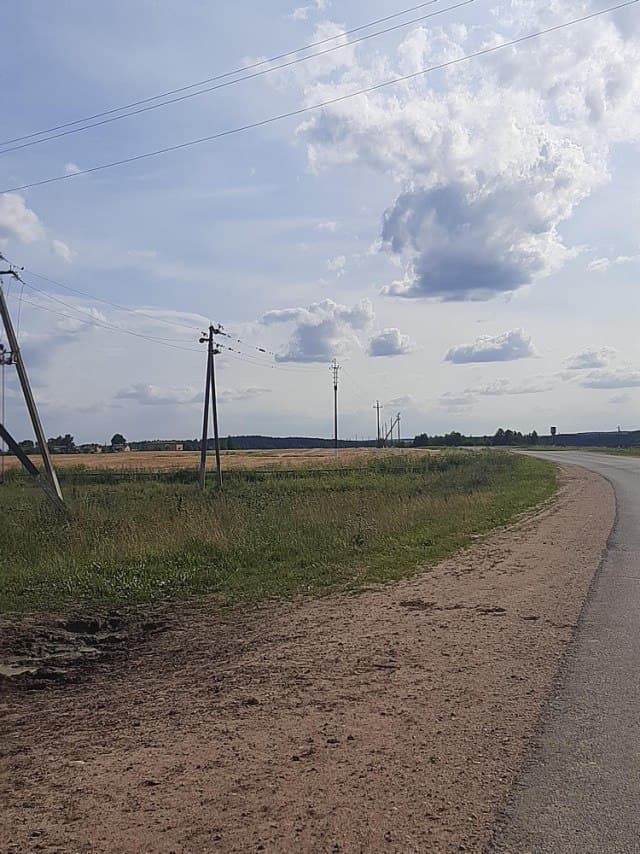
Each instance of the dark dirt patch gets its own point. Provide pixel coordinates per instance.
(36, 651)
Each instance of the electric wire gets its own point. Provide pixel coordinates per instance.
(88, 314)
(134, 311)
(193, 329)
(331, 101)
(87, 317)
(228, 83)
(94, 322)
(90, 320)
(222, 76)
(138, 313)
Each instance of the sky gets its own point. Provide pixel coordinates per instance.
(466, 241)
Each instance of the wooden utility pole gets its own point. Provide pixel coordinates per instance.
(210, 388)
(335, 368)
(48, 482)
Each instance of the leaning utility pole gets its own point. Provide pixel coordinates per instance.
(377, 407)
(49, 481)
(335, 369)
(210, 387)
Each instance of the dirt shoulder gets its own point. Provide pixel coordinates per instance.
(391, 720)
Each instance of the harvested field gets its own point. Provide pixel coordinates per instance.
(394, 720)
(176, 460)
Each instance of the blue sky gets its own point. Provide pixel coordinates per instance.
(488, 211)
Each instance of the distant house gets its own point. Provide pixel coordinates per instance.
(120, 449)
(90, 448)
(171, 446)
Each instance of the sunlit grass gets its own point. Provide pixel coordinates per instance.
(144, 541)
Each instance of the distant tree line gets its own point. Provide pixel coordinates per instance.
(455, 439)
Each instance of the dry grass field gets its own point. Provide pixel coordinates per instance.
(176, 460)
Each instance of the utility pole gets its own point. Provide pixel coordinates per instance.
(377, 407)
(335, 369)
(210, 387)
(399, 437)
(48, 482)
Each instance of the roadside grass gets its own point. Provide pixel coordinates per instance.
(127, 543)
(618, 452)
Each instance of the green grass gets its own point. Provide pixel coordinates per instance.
(619, 452)
(633, 451)
(148, 541)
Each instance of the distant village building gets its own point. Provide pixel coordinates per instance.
(157, 445)
(90, 448)
(119, 449)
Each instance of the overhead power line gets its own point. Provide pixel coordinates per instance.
(95, 322)
(134, 311)
(227, 83)
(222, 76)
(91, 317)
(86, 318)
(331, 101)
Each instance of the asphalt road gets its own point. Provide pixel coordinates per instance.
(580, 791)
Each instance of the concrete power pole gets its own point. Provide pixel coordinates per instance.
(49, 481)
(399, 437)
(210, 387)
(377, 407)
(335, 369)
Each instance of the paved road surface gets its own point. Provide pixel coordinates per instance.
(581, 789)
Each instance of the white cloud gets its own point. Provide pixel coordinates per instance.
(71, 169)
(337, 265)
(507, 347)
(17, 221)
(63, 251)
(39, 348)
(600, 357)
(611, 378)
(532, 385)
(330, 226)
(405, 401)
(462, 401)
(457, 401)
(602, 264)
(490, 157)
(153, 395)
(599, 265)
(302, 13)
(237, 395)
(620, 399)
(390, 342)
(323, 330)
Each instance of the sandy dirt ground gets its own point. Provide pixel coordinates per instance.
(172, 460)
(391, 720)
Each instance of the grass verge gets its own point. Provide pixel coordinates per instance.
(137, 542)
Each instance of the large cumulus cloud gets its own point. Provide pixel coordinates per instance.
(491, 156)
(323, 330)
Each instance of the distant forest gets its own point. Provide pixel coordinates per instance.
(612, 439)
(455, 439)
